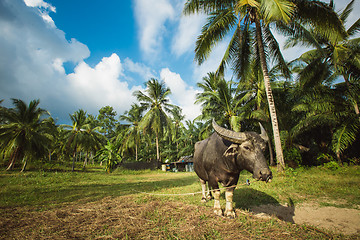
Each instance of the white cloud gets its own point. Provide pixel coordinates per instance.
(31, 66)
(139, 68)
(32, 53)
(151, 16)
(41, 4)
(96, 87)
(187, 31)
(182, 95)
(43, 8)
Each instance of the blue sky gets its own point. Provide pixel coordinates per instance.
(74, 54)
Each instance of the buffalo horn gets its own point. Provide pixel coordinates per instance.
(263, 133)
(236, 137)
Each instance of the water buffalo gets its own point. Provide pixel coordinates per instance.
(220, 159)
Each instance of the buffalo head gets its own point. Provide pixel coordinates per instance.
(247, 149)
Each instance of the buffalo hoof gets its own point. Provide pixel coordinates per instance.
(209, 198)
(230, 214)
(218, 212)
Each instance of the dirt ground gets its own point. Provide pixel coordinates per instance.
(151, 218)
(341, 220)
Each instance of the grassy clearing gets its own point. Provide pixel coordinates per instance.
(340, 187)
(49, 200)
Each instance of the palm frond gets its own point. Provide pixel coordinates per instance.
(218, 25)
(200, 6)
(345, 135)
(277, 10)
(297, 34)
(354, 28)
(313, 13)
(275, 51)
(243, 52)
(346, 12)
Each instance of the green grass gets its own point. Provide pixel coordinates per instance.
(43, 191)
(51, 187)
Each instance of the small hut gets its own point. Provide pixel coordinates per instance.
(185, 163)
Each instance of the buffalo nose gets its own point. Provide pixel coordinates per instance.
(266, 175)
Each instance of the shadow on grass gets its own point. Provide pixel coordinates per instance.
(259, 202)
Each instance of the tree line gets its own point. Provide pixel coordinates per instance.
(308, 106)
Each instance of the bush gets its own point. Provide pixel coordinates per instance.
(292, 157)
(324, 158)
(332, 165)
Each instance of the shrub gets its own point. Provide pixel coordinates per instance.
(332, 165)
(293, 157)
(324, 158)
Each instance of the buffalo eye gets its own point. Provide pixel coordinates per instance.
(247, 148)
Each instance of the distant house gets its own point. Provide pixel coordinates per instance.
(185, 163)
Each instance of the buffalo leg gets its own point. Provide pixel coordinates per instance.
(215, 187)
(206, 192)
(217, 207)
(203, 190)
(229, 210)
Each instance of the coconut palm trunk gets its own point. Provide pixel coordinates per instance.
(13, 158)
(24, 165)
(12, 161)
(157, 148)
(86, 159)
(136, 152)
(73, 163)
(270, 98)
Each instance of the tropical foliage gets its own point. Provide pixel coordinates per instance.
(25, 135)
(316, 96)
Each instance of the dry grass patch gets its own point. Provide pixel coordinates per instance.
(144, 217)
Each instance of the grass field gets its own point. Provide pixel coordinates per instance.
(128, 204)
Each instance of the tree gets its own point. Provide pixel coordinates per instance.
(132, 135)
(224, 16)
(338, 52)
(218, 101)
(107, 120)
(177, 118)
(324, 108)
(93, 139)
(109, 155)
(249, 22)
(156, 102)
(193, 132)
(25, 133)
(75, 134)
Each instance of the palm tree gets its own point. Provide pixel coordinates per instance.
(249, 22)
(340, 53)
(224, 16)
(324, 107)
(156, 102)
(75, 133)
(93, 139)
(218, 101)
(193, 132)
(177, 118)
(25, 133)
(132, 134)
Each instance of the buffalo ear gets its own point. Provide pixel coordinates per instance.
(232, 150)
